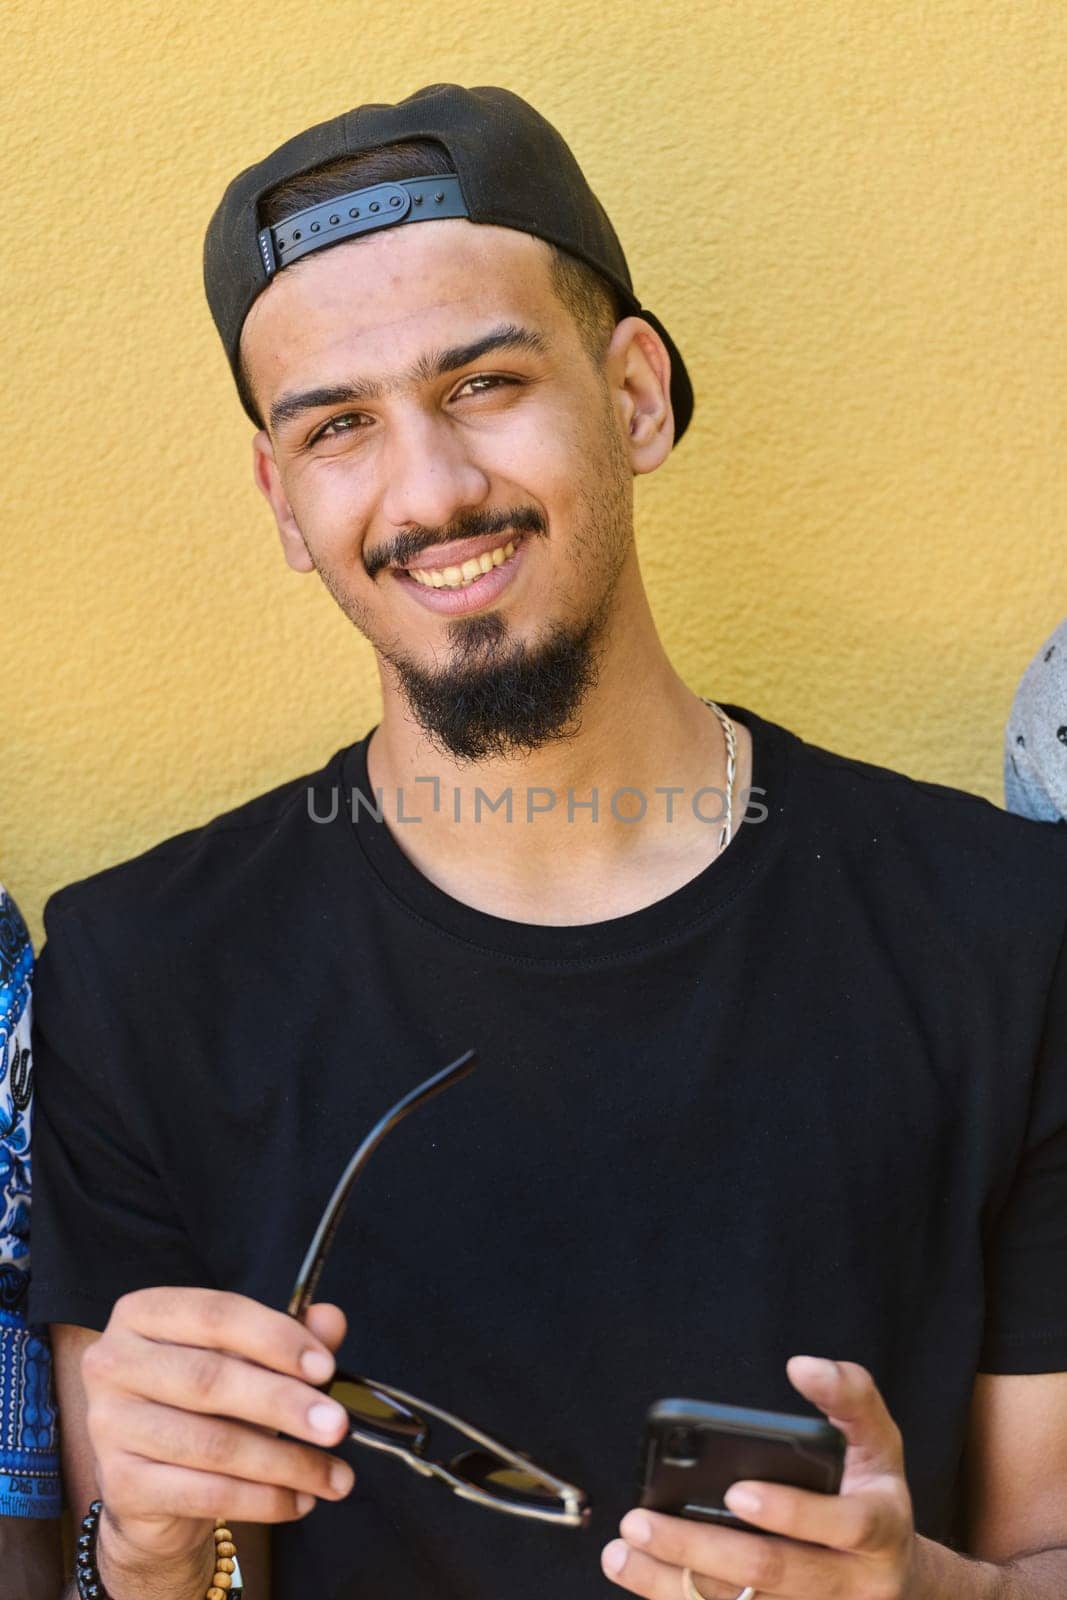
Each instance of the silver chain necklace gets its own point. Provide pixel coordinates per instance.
(731, 766)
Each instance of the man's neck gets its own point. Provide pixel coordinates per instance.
(521, 839)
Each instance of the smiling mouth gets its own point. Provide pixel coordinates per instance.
(461, 576)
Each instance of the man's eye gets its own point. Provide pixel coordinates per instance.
(491, 379)
(352, 421)
(347, 422)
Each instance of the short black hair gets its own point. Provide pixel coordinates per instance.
(591, 300)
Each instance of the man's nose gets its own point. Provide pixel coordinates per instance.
(429, 472)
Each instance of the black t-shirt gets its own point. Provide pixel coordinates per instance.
(815, 1100)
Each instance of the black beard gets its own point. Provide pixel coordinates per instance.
(501, 700)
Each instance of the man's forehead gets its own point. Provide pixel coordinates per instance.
(376, 289)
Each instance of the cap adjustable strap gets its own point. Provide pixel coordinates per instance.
(411, 200)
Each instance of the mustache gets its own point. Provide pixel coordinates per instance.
(474, 525)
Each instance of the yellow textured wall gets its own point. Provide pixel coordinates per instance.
(850, 213)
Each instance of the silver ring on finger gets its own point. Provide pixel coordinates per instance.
(691, 1592)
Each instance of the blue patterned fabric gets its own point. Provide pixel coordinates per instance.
(29, 1463)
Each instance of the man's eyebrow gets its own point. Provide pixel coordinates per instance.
(508, 336)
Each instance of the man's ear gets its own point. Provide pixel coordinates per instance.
(268, 481)
(639, 371)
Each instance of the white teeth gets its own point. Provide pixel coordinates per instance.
(469, 572)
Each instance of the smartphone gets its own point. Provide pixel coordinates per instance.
(693, 1451)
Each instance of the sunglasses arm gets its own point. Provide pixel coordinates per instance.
(319, 1249)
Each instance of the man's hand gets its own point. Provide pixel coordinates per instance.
(187, 1391)
(857, 1545)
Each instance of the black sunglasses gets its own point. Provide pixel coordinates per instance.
(385, 1418)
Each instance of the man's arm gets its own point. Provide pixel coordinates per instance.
(79, 1470)
(1016, 1477)
(31, 1556)
(30, 1544)
(31, 1551)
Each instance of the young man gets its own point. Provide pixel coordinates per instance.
(771, 1112)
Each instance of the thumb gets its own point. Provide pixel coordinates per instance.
(848, 1397)
(328, 1323)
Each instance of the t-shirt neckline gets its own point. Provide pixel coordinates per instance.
(704, 895)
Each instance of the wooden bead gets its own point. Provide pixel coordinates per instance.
(225, 1566)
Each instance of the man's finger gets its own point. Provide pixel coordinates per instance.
(733, 1556)
(328, 1323)
(211, 1383)
(137, 1493)
(644, 1575)
(215, 1319)
(847, 1395)
(859, 1523)
(165, 1435)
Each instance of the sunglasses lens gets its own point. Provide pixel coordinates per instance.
(504, 1479)
(376, 1412)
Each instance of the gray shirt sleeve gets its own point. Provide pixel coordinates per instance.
(1035, 740)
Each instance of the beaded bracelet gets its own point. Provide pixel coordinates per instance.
(225, 1585)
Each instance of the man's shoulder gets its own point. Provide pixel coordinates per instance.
(901, 795)
(232, 854)
(933, 834)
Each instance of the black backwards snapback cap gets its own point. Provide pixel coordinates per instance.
(512, 169)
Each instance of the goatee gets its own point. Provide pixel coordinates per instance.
(502, 697)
